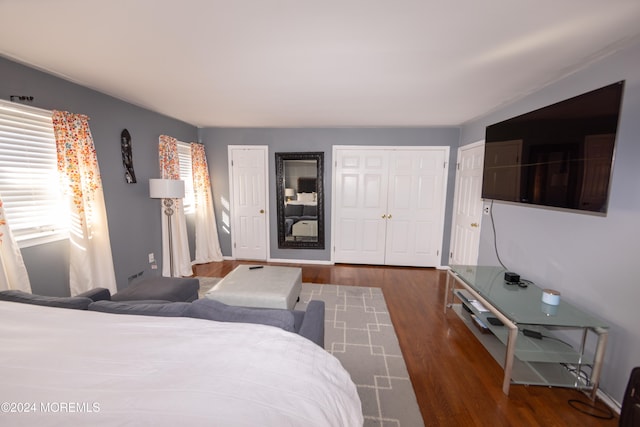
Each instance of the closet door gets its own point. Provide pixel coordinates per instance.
(389, 205)
(360, 201)
(415, 207)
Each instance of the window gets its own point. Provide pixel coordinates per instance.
(29, 183)
(186, 174)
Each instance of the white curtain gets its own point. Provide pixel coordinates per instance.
(207, 242)
(90, 260)
(170, 169)
(13, 273)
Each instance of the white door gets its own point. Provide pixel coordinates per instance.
(467, 206)
(360, 203)
(248, 180)
(415, 208)
(388, 205)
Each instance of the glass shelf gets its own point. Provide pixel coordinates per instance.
(522, 305)
(550, 374)
(549, 360)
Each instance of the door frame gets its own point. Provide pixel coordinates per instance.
(445, 180)
(452, 236)
(232, 217)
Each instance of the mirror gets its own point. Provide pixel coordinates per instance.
(299, 188)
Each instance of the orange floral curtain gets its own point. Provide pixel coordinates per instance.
(13, 273)
(169, 162)
(90, 259)
(207, 242)
(170, 169)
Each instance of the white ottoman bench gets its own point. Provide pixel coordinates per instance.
(266, 287)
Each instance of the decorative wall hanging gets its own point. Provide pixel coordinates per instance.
(127, 157)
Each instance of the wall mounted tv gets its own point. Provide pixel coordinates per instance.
(559, 156)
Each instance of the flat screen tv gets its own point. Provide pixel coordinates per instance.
(559, 156)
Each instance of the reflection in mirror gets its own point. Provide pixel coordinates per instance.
(299, 178)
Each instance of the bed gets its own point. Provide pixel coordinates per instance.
(74, 367)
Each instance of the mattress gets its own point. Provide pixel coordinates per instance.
(73, 367)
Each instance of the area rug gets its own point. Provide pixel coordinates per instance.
(359, 333)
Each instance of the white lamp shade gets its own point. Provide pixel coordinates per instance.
(166, 189)
(289, 192)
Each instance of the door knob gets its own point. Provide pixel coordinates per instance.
(475, 224)
(261, 210)
(384, 217)
(389, 216)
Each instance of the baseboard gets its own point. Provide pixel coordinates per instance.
(301, 261)
(609, 401)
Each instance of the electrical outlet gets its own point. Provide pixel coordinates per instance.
(152, 258)
(487, 210)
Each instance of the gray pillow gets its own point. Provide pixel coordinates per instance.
(215, 310)
(146, 308)
(77, 303)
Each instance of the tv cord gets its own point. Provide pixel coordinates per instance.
(591, 410)
(538, 335)
(495, 237)
(580, 406)
(586, 407)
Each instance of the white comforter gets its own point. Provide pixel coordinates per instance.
(70, 367)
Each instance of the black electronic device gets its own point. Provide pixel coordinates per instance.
(495, 321)
(532, 334)
(511, 277)
(630, 412)
(255, 267)
(558, 156)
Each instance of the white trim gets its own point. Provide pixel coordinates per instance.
(301, 261)
(232, 218)
(445, 181)
(456, 189)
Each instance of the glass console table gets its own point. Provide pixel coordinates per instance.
(549, 360)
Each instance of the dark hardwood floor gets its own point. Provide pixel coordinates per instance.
(456, 381)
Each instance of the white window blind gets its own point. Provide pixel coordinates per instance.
(29, 184)
(186, 174)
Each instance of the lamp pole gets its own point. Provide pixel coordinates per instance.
(167, 190)
(168, 210)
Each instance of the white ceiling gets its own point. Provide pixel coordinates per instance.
(305, 63)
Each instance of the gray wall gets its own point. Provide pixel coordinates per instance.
(591, 260)
(134, 218)
(216, 141)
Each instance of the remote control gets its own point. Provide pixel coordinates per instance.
(255, 267)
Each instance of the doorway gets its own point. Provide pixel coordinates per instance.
(249, 195)
(467, 205)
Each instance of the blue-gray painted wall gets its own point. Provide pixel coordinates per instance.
(591, 260)
(134, 218)
(217, 140)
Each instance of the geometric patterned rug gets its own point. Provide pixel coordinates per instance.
(359, 333)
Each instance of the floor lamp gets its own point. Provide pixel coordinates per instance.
(167, 190)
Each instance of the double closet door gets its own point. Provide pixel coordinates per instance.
(388, 205)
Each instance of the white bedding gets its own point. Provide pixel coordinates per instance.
(70, 367)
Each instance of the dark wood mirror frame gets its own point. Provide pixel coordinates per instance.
(286, 238)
